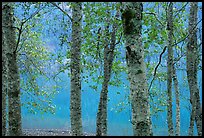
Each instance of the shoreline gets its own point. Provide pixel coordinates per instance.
(50, 132)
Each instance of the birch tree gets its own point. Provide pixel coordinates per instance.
(132, 26)
(75, 97)
(101, 125)
(192, 65)
(169, 68)
(177, 102)
(13, 73)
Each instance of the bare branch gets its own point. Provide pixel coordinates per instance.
(155, 70)
(61, 10)
(164, 51)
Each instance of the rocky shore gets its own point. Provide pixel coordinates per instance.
(50, 132)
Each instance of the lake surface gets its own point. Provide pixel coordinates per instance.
(118, 122)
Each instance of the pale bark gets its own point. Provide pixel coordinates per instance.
(169, 67)
(192, 65)
(13, 73)
(101, 121)
(132, 26)
(177, 102)
(75, 97)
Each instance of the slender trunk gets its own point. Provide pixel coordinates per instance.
(13, 74)
(198, 117)
(132, 26)
(101, 118)
(101, 121)
(192, 65)
(169, 69)
(75, 98)
(101, 124)
(192, 119)
(177, 102)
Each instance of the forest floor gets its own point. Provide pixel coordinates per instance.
(50, 132)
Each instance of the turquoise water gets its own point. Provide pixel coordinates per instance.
(118, 123)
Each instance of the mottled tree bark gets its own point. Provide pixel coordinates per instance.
(192, 65)
(4, 74)
(4, 90)
(75, 97)
(101, 120)
(169, 67)
(177, 102)
(132, 26)
(13, 73)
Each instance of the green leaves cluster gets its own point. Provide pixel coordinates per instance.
(34, 61)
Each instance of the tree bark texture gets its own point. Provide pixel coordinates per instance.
(13, 73)
(132, 27)
(4, 74)
(178, 122)
(192, 65)
(75, 98)
(169, 67)
(101, 121)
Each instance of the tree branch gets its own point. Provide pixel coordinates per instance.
(61, 10)
(155, 15)
(155, 70)
(163, 53)
(21, 27)
(177, 12)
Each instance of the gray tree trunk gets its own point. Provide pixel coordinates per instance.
(13, 74)
(169, 67)
(101, 120)
(132, 26)
(4, 72)
(177, 102)
(75, 98)
(192, 65)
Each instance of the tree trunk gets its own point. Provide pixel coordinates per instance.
(4, 73)
(101, 124)
(132, 26)
(75, 98)
(177, 102)
(192, 65)
(169, 69)
(13, 74)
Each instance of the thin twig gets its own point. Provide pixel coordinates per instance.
(155, 15)
(177, 12)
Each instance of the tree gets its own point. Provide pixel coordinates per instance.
(15, 128)
(192, 66)
(4, 74)
(169, 67)
(101, 121)
(132, 26)
(177, 101)
(75, 98)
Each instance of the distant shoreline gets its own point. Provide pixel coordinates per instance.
(50, 132)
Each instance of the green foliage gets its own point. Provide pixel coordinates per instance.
(34, 61)
(94, 41)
